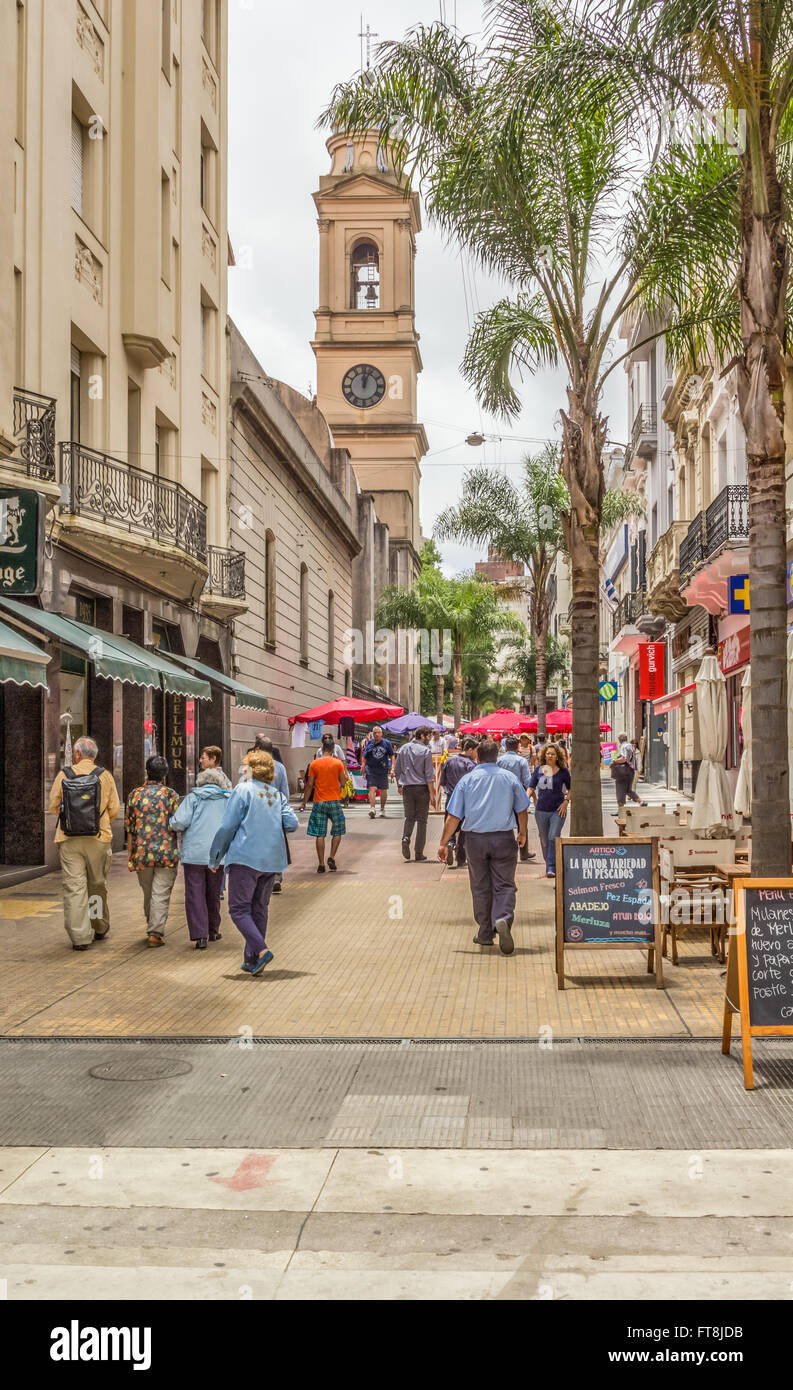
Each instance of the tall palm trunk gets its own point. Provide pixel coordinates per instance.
(440, 696)
(761, 376)
(457, 682)
(540, 638)
(583, 437)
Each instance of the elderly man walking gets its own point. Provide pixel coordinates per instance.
(85, 800)
(487, 802)
(415, 774)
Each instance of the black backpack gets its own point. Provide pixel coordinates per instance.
(80, 802)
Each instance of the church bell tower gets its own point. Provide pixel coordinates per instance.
(366, 344)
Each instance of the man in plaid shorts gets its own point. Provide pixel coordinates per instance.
(326, 777)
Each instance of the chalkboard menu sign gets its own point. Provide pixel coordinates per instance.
(607, 895)
(760, 965)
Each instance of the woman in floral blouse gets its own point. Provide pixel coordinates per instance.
(152, 850)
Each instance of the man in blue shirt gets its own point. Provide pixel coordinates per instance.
(510, 758)
(455, 767)
(378, 760)
(487, 802)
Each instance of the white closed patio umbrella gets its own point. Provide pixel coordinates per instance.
(712, 816)
(743, 789)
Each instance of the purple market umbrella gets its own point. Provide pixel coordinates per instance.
(408, 722)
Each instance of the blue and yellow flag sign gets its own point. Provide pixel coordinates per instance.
(738, 591)
(607, 690)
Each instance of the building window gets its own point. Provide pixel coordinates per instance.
(331, 631)
(166, 38)
(208, 175)
(74, 396)
(78, 164)
(365, 274)
(166, 242)
(209, 27)
(208, 342)
(21, 72)
(269, 588)
(304, 614)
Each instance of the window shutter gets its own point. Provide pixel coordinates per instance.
(77, 166)
(75, 363)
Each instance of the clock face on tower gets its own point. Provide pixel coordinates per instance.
(363, 386)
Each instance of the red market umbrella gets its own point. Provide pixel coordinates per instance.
(605, 728)
(503, 721)
(363, 711)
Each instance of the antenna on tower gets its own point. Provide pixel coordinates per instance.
(367, 34)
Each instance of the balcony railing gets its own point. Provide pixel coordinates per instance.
(628, 611)
(226, 578)
(34, 427)
(664, 558)
(727, 519)
(726, 522)
(646, 423)
(94, 485)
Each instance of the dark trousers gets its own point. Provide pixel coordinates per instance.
(457, 840)
(623, 785)
(249, 900)
(492, 858)
(202, 889)
(416, 801)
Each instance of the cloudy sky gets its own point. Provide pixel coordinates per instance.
(284, 60)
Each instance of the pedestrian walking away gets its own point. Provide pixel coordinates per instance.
(325, 779)
(378, 759)
(510, 758)
(152, 849)
(266, 745)
(549, 788)
(198, 820)
(623, 770)
(486, 802)
(251, 839)
(415, 775)
(455, 767)
(85, 800)
(211, 757)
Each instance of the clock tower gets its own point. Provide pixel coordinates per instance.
(366, 344)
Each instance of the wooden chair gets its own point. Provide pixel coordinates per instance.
(694, 866)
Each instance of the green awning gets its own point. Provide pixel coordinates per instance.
(108, 659)
(112, 656)
(173, 678)
(245, 697)
(21, 662)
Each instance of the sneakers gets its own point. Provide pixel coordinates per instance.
(320, 868)
(332, 865)
(450, 864)
(480, 941)
(152, 940)
(201, 944)
(382, 815)
(405, 849)
(276, 887)
(257, 965)
(372, 813)
(506, 944)
(86, 947)
(102, 935)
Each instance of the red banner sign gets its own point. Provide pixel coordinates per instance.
(651, 670)
(734, 651)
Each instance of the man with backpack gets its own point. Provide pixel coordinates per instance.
(85, 800)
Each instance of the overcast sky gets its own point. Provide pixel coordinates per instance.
(284, 60)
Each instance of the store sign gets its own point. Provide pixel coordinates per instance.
(651, 670)
(22, 513)
(735, 650)
(738, 593)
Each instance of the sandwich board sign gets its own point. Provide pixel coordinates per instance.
(760, 965)
(608, 898)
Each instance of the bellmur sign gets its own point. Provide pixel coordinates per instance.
(22, 514)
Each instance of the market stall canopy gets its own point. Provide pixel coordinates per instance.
(502, 721)
(408, 722)
(113, 657)
(560, 721)
(21, 663)
(345, 707)
(244, 696)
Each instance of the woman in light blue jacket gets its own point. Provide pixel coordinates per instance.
(252, 839)
(199, 818)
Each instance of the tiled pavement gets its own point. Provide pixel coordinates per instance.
(382, 949)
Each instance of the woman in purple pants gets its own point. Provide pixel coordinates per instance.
(251, 837)
(199, 818)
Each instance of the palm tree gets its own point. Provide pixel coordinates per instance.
(522, 666)
(537, 182)
(728, 66)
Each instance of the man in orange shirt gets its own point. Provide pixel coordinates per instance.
(326, 777)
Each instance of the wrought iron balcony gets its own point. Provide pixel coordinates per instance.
(628, 611)
(692, 549)
(727, 519)
(95, 485)
(226, 578)
(34, 427)
(645, 426)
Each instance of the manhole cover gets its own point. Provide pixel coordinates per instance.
(140, 1069)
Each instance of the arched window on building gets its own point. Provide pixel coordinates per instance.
(269, 588)
(365, 276)
(304, 614)
(331, 631)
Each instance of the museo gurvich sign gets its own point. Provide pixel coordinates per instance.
(22, 513)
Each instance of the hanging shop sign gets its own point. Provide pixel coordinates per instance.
(607, 691)
(22, 514)
(651, 670)
(738, 593)
(760, 965)
(607, 898)
(735, 650)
